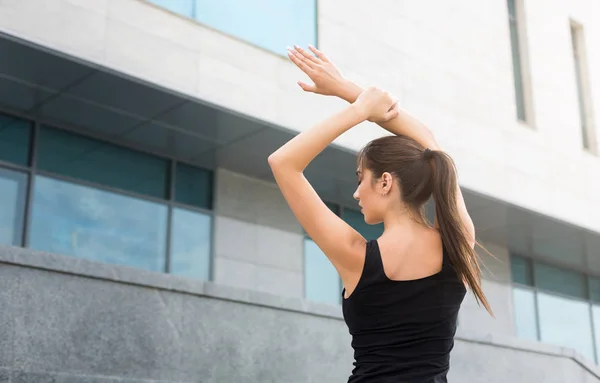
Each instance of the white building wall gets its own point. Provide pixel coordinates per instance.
(449, 62)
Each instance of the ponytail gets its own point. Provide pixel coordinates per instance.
(455, 237)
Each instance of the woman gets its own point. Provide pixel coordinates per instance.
(402, 292)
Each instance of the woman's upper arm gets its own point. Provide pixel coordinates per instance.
(343, 245)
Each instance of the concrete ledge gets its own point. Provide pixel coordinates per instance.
(121, 274)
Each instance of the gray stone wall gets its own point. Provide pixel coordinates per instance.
(73, 320)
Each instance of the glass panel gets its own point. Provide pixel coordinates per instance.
(521, 270)
(575, 32)
(81, 221)
(190, 244)
(270, 24)
(561, 281)
(321, 280)
(13, 187)
(193, 186)
(356, 220)
(596, 315)
(106, 164)
(15, 135)
(516, 58)
(525, 316)
(181, 7)
(595, 289)
(566, 322)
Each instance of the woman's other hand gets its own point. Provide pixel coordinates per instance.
(375, 105)
(327, 78)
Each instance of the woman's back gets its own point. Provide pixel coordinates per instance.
(402, 330)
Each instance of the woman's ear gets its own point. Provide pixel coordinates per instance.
(386, 182)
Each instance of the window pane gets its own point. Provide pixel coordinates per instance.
(321, 280)
(561, 281)
(103, 226)
(596, 315)
(566, 322)
(595, 289)
(181, 7)
(193, 186)
(521, 270)
(270, 24)
(356, 220)
(15, 134)
(516, 59)
(525, 316)
(86, 159)
(13, 187)
(190, 244)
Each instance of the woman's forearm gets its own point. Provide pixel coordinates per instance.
(404, 124)
(296, 154)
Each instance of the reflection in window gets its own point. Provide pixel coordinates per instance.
(13, 187)
(270, 24)
(521, 270)
(190, 244)
(106, 164)
(321, 280)
(15, 134)
(566, 322)
(193, 186)
(103, 226)
(356, 220)
(525, 314)
(562, 281)
(596, 315)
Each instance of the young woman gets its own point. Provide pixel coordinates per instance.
(402, 292)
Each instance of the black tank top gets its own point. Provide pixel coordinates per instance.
(402, 331)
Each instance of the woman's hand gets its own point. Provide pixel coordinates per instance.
(326, 77)
(376, 105)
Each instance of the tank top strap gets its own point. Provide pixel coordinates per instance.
(373, 268)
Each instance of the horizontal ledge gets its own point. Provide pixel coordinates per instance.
(128, 275)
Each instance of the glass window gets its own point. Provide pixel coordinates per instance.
(596, 315)
(566, 322)
(516, 59)
(181, 7)
(321, 280)
(525, 313)
(356, 220)
(561, 281)
(190, 244)
(521, 270)
(90, 160)
(193, 186)
(595, 290)
(15, 135)
(81, 221)
(13, 187)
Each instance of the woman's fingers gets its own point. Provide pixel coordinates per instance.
(297, 59)
(318, 53)
(307, 88)
(307, 55)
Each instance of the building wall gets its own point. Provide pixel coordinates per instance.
(61, 320)
(450, 64)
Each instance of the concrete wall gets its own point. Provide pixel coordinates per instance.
(449, 62)
(71, 320)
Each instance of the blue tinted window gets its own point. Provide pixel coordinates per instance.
(566, 322)
(525, 313)
(190, 244)
(106, 164)
(13, 187)
(562, 281)
(321, 280)
(270, 24)
(14, 140)
(595, 290)
(181, 7)
(596, 316)
(81, 221)
(193, 186)
(356, 220)
(521, 270)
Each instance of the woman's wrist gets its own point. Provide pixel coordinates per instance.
(349, 91)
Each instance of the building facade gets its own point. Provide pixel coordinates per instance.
(143, 239)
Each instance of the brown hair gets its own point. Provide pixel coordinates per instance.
(422, 174)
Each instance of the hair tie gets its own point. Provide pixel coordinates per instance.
(427, 154)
